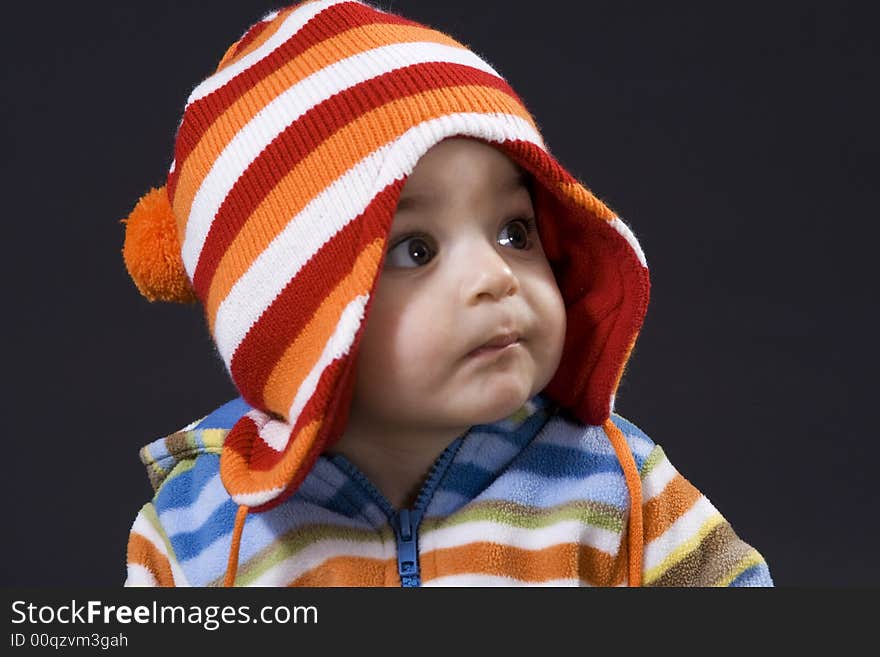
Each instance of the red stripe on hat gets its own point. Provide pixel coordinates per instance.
(308, 132)
(336, 384)
(199, 116)
(289, 313)
(255, 30)
(258, 467)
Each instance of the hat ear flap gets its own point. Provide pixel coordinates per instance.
(152, 250)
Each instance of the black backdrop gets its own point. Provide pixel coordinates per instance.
(739, 143)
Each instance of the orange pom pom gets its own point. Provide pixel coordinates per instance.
(152, 250)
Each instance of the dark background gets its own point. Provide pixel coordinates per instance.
(740, 144)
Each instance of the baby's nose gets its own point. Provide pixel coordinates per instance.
(485, 273)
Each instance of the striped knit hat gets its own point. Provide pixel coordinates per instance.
(288, 163)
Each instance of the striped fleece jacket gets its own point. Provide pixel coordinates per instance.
(535, 499)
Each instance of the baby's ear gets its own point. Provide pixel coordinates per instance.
(152, 250)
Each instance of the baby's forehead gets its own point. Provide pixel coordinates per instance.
(434, 188)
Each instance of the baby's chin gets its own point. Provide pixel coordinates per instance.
(455, 403)
(487, 406)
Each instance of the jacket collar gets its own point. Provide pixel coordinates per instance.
(466, 468)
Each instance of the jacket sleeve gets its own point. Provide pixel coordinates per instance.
(687, 542)
(150, 560)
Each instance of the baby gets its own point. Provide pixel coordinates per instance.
(464, 269)
(427, 319)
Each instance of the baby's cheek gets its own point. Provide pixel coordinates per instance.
(561, 320)
(424, 340)
(552, 321)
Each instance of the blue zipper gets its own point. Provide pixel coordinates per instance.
(405, 522)
(406, 526)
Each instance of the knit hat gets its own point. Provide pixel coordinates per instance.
(288, 163)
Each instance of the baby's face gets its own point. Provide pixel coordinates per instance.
(463, 264)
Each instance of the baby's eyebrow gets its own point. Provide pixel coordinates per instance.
(415, 200)
(521, 179)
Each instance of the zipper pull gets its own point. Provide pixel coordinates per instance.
(407, 550)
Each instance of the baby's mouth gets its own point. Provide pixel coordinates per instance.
(497, 345)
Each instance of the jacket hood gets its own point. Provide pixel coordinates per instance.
(288, 164)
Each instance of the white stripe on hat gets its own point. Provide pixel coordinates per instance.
(627, 234)
(337, 205)
(286, 108)
(291, 26)
(257, 498)
(276, 434)
(337, 346)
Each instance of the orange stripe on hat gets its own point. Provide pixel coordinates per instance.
(278, 326)
(585, 199)
(302, 354)
(223, 128)
(333, 158)
(305, 135)
(267, 33)
(240, 480)
(320, 26)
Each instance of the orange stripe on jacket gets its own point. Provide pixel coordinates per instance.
(662, 510)
(349, 571)
(142, 551)
(564, 561)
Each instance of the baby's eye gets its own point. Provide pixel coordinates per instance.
(410, 249)
(526, 228)
(418, 249)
